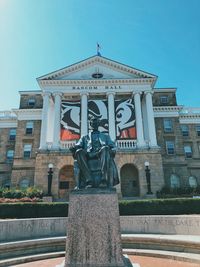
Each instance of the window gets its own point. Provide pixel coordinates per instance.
(29, 127)
(164, 100)
(170, 147)
(12, 134)
(31, 102)
(24, 183)
(27, 150)
(192, 182)
(185, 130)
(188, 151)
(174, 181)
(168, 125)
(198, 130)
(10, 155)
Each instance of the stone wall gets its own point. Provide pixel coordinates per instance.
(48, 227)
(138, 159)
(25, 167)
(178, 164)
(61, 159)
(25, 97)
(170, 95)
(5, 165)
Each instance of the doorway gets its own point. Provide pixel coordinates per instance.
(129, 181)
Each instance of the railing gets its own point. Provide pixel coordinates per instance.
(126, 144)
(189, 111)
(67, 144)
(121, 144)
(7, 114)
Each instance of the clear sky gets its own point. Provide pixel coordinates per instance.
(158, 36)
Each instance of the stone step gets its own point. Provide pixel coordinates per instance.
(177, 243)
(167, 245)
(25, 259)
(179, 256)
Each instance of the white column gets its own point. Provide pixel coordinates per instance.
(56, 126)
(150, 120)
(84, 113)
(139, 121)
(111, 115)
(44, 122)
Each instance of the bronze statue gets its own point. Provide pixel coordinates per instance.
(94, 164)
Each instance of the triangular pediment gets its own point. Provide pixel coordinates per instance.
(97, 67)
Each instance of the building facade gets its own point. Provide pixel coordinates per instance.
(147, 124)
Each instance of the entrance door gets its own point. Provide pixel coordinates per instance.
(129, 181)
(66, 181)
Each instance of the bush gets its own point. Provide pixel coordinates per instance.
(126, 208)
(30, 192)
(33, 210)
(167, 192)
(173, 206)
(1, 191)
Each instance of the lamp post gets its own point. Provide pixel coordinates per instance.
(148, 177)
(50, 176)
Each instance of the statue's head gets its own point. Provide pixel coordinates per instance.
(94, 123)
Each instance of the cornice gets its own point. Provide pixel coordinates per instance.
(186, 115)
(167, 111)
(28, 114)
(32, 92)
(24, 110)
(95, 82)
(164, 90)
(167, 108)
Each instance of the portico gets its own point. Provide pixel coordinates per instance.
(138, 87)
(121, 99)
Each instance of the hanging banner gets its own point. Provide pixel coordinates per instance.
(99, 109)
(70, 120)
(125, 119)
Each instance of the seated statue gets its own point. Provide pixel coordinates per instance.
(94, 164)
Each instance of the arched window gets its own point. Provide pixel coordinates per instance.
(192, 182)
(174, 181)
(24, 183)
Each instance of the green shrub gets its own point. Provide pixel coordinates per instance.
(33, 210)
(167, 192)
(1, 191)
(173, 206)
(126, 207)
(30, 192)
(33, 192)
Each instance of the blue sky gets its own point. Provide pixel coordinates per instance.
(158, 36)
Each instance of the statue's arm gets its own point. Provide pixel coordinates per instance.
(112, 146)
(78, 145)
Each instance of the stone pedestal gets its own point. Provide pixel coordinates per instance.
(93, 236)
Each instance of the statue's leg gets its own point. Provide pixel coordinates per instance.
(104, 155)
(81, 158)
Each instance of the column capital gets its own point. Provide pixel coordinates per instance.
(57, 93)
(46, 94)
(148, 92)
(110, 93)
(137, 93)
(84, 93)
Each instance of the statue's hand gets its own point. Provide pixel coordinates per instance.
(113, 152)
(72, 149)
